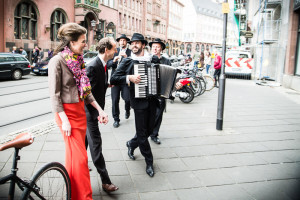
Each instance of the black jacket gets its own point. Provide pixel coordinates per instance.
(119, 77)
(164, 61)
(98, 79)
(113, 66)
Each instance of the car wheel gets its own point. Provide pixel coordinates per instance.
(17, 74)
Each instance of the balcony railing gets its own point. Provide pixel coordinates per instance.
(269, 31)
(93, 3)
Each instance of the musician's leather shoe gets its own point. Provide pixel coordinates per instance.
(130, 151)
(116, 124)
(127, 114)
(156, 140)
(109, 187)
(149, 170)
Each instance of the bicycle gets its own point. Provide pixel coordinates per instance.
(50, 182)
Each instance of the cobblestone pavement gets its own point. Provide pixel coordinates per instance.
(256, 156)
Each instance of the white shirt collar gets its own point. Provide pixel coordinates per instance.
(103, 62)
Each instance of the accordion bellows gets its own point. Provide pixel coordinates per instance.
(156, 80)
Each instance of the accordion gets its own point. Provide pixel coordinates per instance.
(156, 80)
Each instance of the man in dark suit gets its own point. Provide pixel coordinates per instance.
(123, 52)
(97, 73)
(144, 108)
(157, 46)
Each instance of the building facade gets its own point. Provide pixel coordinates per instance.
(30, 23)
(206, 31)
(156, 19)
(130, 17)
(291, 73)
(175, 27)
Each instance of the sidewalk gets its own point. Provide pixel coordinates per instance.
(256, 156)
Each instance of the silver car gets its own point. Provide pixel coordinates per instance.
(89, 56)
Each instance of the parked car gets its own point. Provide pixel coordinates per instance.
(239, 63)
(13, 66)
(41, 68)
(89, 56)
(174, 61)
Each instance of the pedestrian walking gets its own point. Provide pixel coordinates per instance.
(157, 46)
(23, 52)
(117, 90)
(207, 61)
(217, 66)
(98, 76)
(70, 89)
(144, 108)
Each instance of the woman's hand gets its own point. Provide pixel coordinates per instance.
(103, 117)
(66, 127)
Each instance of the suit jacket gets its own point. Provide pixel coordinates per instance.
(98, 79)
(113, 66)
(119, 77)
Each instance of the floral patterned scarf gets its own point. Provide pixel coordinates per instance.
(76, 66)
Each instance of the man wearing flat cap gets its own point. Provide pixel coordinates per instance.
(157, 46)
(144, 108)
(116, 90)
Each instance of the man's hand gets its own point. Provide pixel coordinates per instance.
(103, 117)
(123, 53)
(178, 86)
(136, 79)
(116, 58)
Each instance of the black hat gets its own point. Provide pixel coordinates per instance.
(138, 37)
(157, 40)
(124, 37)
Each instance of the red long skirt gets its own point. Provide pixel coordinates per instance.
(76, 156)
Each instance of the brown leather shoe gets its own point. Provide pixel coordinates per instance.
(109, 187)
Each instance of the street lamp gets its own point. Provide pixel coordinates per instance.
(93, 23)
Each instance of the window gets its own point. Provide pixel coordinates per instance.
(25, 21)
(189, 48)
(148, 24)
(197, 48)
(149, 7)
(132, 23)
(57, 19)
(20, 58)
(124, 21)
(120, 19)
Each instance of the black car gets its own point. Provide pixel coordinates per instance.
(41, 68)
(13, 66)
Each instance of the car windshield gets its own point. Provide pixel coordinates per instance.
(237, 55)
(89, 55)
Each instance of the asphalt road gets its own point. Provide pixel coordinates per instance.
(24, 103)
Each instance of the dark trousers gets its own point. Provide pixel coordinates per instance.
(144, 123)
(115, 97)
(93, 136)
(158, 117)
(217, 75)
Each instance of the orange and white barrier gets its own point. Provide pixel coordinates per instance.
(240, 63)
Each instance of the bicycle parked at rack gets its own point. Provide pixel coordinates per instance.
(50, 182)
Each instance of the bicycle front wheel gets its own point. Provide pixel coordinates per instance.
(51, 182)
(210, 82)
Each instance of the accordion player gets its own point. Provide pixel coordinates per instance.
(156, 80)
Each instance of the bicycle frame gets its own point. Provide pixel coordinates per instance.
(16, 180)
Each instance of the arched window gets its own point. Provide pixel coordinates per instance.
(197, 48)
(202, 48)
(189, 48)
(57, 19)
(25, 21)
